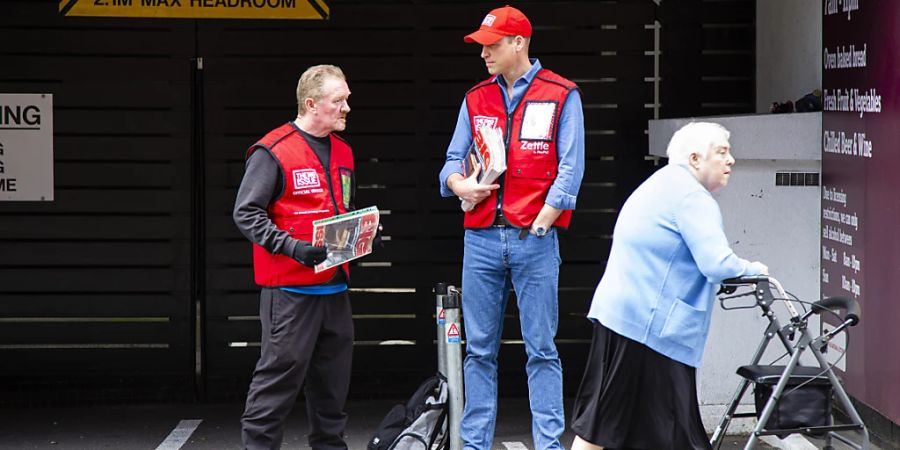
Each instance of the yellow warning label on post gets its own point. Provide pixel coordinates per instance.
(198, 9)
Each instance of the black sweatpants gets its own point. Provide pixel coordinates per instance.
(304, 338)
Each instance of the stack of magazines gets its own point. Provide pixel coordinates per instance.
(488, 152)
(346, 236)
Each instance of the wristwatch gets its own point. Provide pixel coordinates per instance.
(538, 231)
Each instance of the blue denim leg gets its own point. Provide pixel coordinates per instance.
(485, 284)
(534, 265)
(496, 259)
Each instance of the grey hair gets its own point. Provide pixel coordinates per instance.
(695, 137)
(311, 82)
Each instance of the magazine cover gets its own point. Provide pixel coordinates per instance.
(346, 236)
(480, 155)
(488, 152)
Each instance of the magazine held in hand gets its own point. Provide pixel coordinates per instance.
(487, 152)
(346, 237)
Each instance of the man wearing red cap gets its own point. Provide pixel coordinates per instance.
(510, 237)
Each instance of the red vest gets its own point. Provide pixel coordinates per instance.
(310, 193)
(531, 162)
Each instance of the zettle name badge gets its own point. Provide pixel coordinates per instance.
(537, 122)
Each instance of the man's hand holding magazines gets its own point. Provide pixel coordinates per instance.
(309, 255)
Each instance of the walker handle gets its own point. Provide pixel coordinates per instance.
(772, 283)
(748, 279)
(729, 285)
(847, 304)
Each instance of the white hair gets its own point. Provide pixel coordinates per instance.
(695, 137)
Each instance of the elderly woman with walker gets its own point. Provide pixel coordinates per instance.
(652, 307)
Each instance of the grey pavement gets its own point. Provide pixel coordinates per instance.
(133, 427)
(127, 427)
(216, 427)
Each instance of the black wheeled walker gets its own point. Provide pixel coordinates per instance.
(793, 398)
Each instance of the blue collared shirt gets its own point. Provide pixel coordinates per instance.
(569, 142)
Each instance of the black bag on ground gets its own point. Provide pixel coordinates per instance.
(418, 424)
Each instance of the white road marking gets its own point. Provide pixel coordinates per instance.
(179, 436)
(515, 446)
(792, 442)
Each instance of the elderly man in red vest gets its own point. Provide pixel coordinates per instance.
(510, 237)
(297, 173)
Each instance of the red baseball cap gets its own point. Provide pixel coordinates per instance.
(505, 21)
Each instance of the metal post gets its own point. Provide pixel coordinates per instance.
(452, 338)
(440, 292)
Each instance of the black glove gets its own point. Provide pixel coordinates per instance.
(308, 254)
(376, 242)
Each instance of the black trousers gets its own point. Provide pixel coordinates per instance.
(305, 338)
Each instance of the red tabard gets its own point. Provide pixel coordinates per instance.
(531, 162)
(310, 193)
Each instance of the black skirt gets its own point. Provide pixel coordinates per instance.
(633, 398)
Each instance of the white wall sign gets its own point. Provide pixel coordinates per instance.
(26, 147)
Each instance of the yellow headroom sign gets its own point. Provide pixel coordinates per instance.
(197, 9)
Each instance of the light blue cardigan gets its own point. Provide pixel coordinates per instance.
(669, 253)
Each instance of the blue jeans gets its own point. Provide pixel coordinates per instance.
(495, 260)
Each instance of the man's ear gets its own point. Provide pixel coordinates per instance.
(310, 104)
(694, 160)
